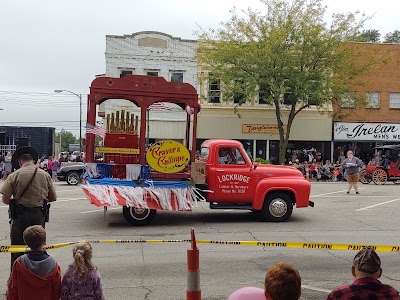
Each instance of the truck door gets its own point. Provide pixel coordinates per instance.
(234, 176)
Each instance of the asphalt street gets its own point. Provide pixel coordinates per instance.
(158, 271)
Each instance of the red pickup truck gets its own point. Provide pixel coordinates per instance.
(236, 182)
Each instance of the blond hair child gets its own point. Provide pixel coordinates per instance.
(82, 279)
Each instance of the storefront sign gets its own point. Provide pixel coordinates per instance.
(366, 131)
(168, 156)
(261, 128)
(117, 150)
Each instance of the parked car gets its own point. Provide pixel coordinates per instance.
(72, 174)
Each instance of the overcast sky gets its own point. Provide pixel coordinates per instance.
(48, 44)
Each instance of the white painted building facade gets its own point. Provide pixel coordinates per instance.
(159, 54)
(156, 54)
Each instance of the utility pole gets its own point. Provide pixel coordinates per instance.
(80, 114)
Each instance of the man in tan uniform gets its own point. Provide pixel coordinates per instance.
(31, 188)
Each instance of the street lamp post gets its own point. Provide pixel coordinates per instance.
(80, 114)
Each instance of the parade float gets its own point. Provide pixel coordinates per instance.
(141, 177)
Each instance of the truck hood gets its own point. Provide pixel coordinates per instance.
(278, 171)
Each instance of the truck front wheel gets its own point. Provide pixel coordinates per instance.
(138, 216)
(277, 207)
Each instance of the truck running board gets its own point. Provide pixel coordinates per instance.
(214, 205)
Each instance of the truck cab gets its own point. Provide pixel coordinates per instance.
(236, 182)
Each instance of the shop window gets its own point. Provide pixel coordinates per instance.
(261, 147)
(123, 73)
(274, 152)
(394, 100)
(176, 76)
(214, 90)
(152, 73)
(248, 146)
(373, 100)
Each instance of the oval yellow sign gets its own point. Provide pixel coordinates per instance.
(168, 156)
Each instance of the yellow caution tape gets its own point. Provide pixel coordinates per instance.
(301, 245)
(294, 245)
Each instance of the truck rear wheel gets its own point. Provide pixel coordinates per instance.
(277, 207)
(138, 216)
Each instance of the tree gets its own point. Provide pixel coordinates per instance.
(67, 138)
(287, 56)
(392, 37)
(370, 36)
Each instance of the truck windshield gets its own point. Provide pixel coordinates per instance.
(204, 152)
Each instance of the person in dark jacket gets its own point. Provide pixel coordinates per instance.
(35, 275)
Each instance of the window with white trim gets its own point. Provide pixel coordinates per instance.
(263, 94)
(239, 96)
(373, 100)
(214, 90)
(123, 73)
(347, 101)
(176, 76)
(152, 72)
(394, 100)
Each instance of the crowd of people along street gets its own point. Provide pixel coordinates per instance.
(36, 275)
(311, 164)
(48, 163)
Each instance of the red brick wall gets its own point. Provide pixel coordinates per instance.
(384, 79)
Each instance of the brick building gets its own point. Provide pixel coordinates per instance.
(378, 121)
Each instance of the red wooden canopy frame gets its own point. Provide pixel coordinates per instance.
(143, 91)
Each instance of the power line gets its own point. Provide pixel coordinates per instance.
(41, 122)
(39, 93)
(39, 101)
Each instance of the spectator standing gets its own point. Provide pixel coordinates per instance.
(7, 165)
(352, 165)
(82, 279)
(310, 157)
(54, 168)
(35, 275)
(366, 270)
(50, 166)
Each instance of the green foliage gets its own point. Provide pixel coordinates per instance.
(392, 37)
(287, 54)
(67, 138)
(262, 161)
(369, 36)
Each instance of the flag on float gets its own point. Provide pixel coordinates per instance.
(97, 130)
(159, 106)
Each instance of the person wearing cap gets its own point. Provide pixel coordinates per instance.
(27, 191)
(366, 270)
